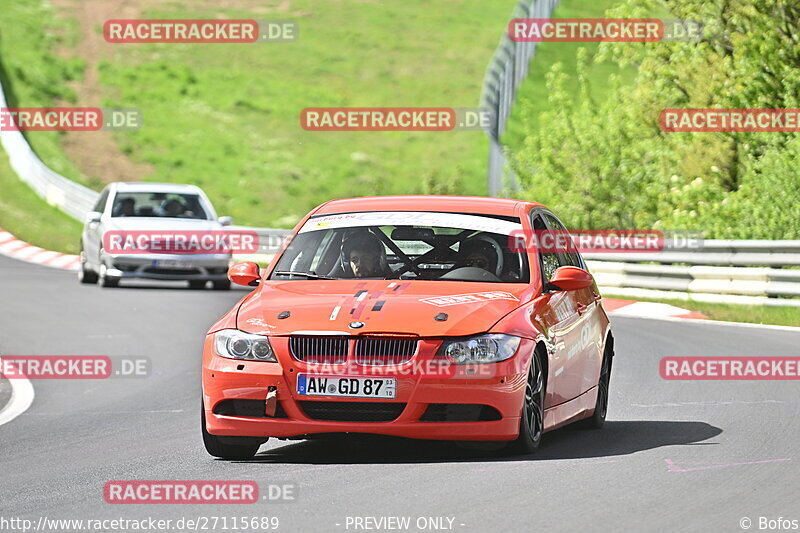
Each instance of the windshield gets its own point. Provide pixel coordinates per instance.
(405, 245)
(158, 204)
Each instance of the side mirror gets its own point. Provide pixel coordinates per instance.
(245, 273)
(225, 221)
(93, 217)
(569, 278)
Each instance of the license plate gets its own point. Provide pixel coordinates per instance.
(316, 385)
(172, 263)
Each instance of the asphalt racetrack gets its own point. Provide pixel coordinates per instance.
(673, 456)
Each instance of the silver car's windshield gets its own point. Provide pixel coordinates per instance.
(405, 245)
(158, 204)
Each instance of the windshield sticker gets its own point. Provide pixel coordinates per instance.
(443, 301)
(412, 218)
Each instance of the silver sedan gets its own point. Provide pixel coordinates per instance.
(128, 214)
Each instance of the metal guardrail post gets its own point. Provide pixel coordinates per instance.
(506, 71)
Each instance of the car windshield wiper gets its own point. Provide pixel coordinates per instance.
(309, 275)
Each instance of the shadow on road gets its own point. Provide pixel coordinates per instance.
(616, 438)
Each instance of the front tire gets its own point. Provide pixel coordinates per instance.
(228, 447)
(223, 285)
(86, 276)
(104, 279)
(597, 419)
(531, 424)
(195, 284)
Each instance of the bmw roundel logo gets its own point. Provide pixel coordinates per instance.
(356, 325)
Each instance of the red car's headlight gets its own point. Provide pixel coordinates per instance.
(235, 344)
(490, 348)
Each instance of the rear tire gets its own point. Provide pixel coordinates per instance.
(229, 447)
(223, 285)
(89, 277)
(531, 423)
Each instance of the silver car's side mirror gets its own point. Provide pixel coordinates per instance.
(225, 221)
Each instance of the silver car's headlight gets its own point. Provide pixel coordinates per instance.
(489, 348)
(235, 344)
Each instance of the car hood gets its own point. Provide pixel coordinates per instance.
(382, 306)
(161, 224)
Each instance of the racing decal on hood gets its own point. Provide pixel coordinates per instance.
(363, 299)
(456, 299)
(258, 322)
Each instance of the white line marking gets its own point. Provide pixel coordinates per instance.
(21, 398)
(559, 371)
(709, 322)
(335, 312)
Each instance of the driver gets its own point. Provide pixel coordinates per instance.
(365, 254)
(127, 207)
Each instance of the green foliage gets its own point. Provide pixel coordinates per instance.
(605, 163)
(226, 117)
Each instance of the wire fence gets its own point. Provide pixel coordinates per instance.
(507, 69)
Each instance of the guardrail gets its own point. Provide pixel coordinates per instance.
(722, 271)
(717, 272)
(269, 243)
(507, 69)
(72, 198)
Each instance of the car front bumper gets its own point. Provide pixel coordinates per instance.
(500, 387)
(206, 267)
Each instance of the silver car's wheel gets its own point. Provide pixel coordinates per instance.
(104, 279)
(84, 274)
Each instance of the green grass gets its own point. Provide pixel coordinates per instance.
(226, 117)
(532, 95)
(752, 314)
(29, 218)
(33, 75)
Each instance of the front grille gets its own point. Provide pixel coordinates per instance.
(328, 350)
(172, 271)
(352, 411)
(382, 351)
(247, 408)
(459, 412)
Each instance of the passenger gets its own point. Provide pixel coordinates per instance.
(479, 254)
(173, 208)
